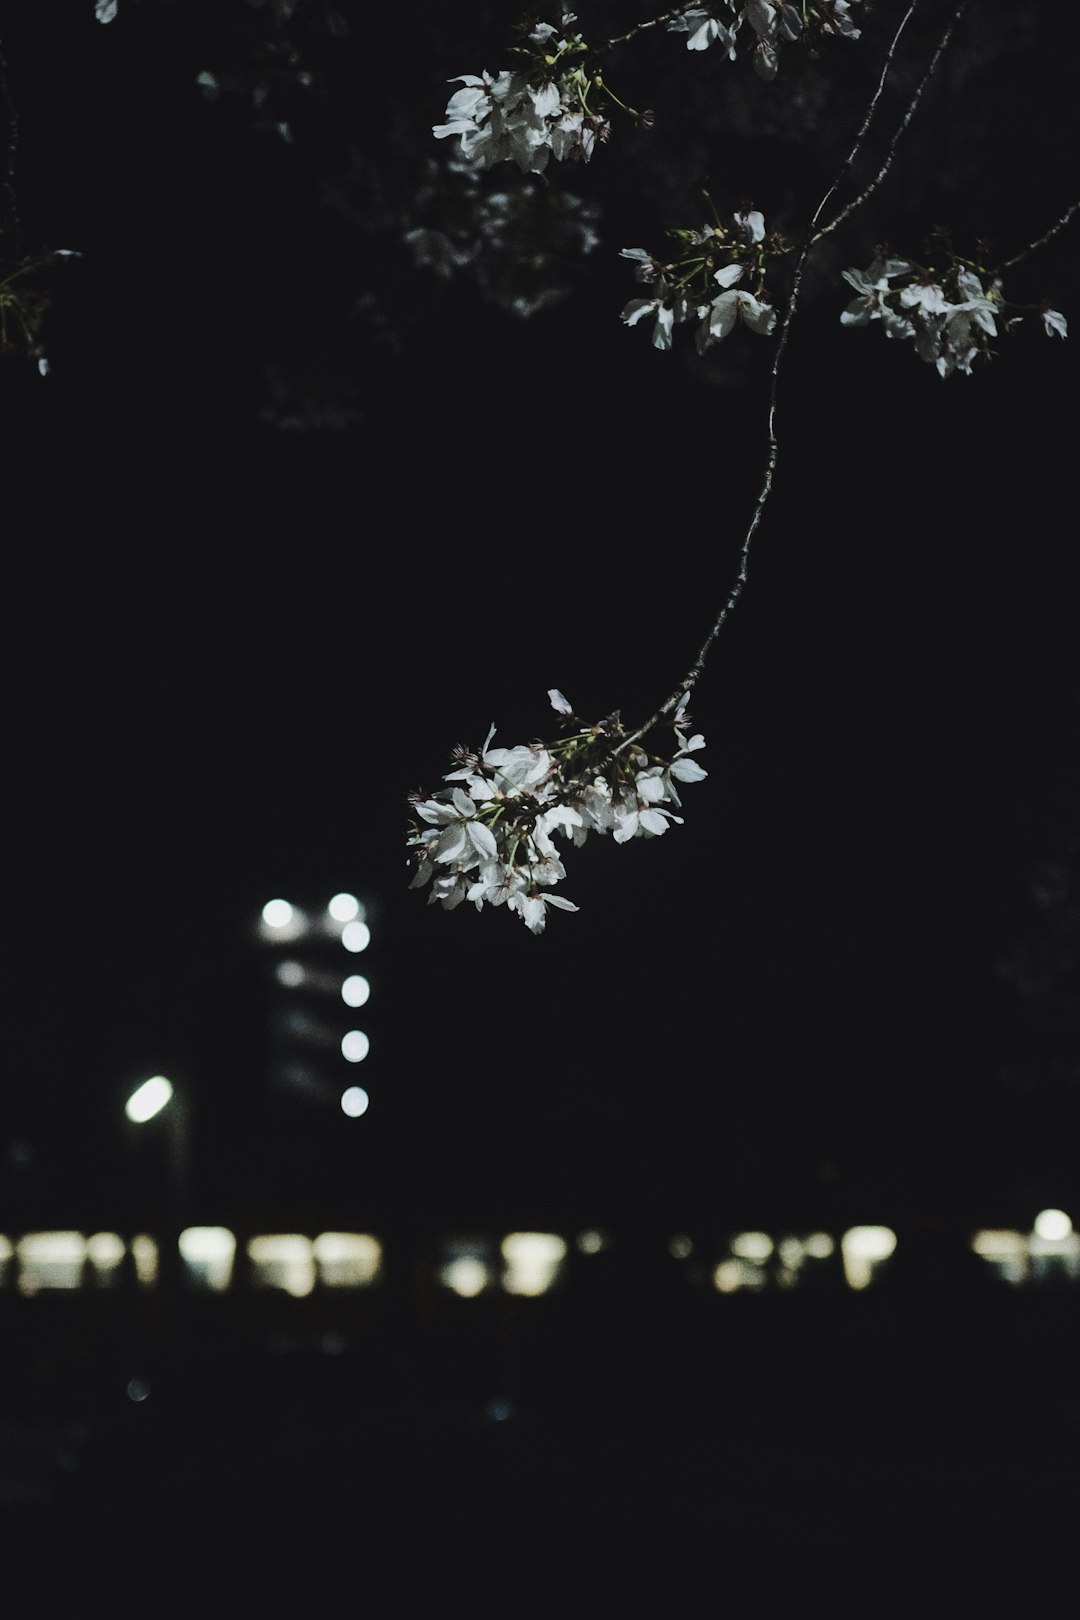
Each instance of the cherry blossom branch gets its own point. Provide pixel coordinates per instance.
(1048, 236)
(909, 113)
(696, 669)
(641, 27)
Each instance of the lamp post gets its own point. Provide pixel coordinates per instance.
(157, 1100)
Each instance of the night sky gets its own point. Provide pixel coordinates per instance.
(314, 491)
(291, 516)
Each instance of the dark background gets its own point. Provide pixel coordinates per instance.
(292, 514)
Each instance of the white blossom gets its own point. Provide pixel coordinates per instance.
(1055, 322)
(723, 313)
(491, 836)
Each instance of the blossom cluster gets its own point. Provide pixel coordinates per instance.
(531, 115)
(684, 291)
(489, 837)
(771, 25)
(951, 316)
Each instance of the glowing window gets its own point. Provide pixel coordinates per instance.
(532, 1261)
(347, 1259)
(863, 1249)
(283, 1260)
(50, 1260)
(208, 1253)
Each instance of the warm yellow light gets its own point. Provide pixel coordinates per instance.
(347, 1259)
(861, 1249)
(283, 1260)
(532, 1261)
(467, 1276)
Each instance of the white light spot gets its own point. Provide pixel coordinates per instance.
(148, 1099)
(138, 1389)
(290, 974)
(344, 907)
(467, 1276)
(356, 937)
(863, 1247)
(277, 914)
(355, 1046)
(1052, 1225)
(355, 991)
(208, 1252)
(532, 1261)
(591, 1241)
(752, 1245)
(354, 1101)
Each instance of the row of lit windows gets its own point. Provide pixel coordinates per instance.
(525, 1263)
(282, 923)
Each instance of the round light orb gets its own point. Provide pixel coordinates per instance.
(355, 1046)
(355, 990)
(354, 1101)
(277, 914)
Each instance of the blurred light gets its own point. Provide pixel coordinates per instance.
(1005, 1250)
(355, 991)
(105, 1250)
(50, 1260)
(148, 1099)
(281, 922)
(283, 1260)
(732, 1274)
(344, 907)
(499, 1410)
(208, 1252)
(680, 1247)
(752, 1245)
(355, 1101)
(355, 1046)
(137, 1389)
(278, 913)
(818, 1246)
(862, 1248)
(728, 1276)
(347, 1259)
(144, 1252)
(590, 1241)
(532, 1261)
(290, 974)
(1052, 1225)
(466, 1276)
(356, 937)
(791, 1252)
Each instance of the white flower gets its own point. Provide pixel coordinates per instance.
(872, 285)
(753, 223)
(532, 908)
(722, 314)
(638, 308)
(558, 702)
(1054, 321)
(458, 833)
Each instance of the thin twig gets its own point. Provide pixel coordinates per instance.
(909, 113)
(694, 673)
(1042, 240)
